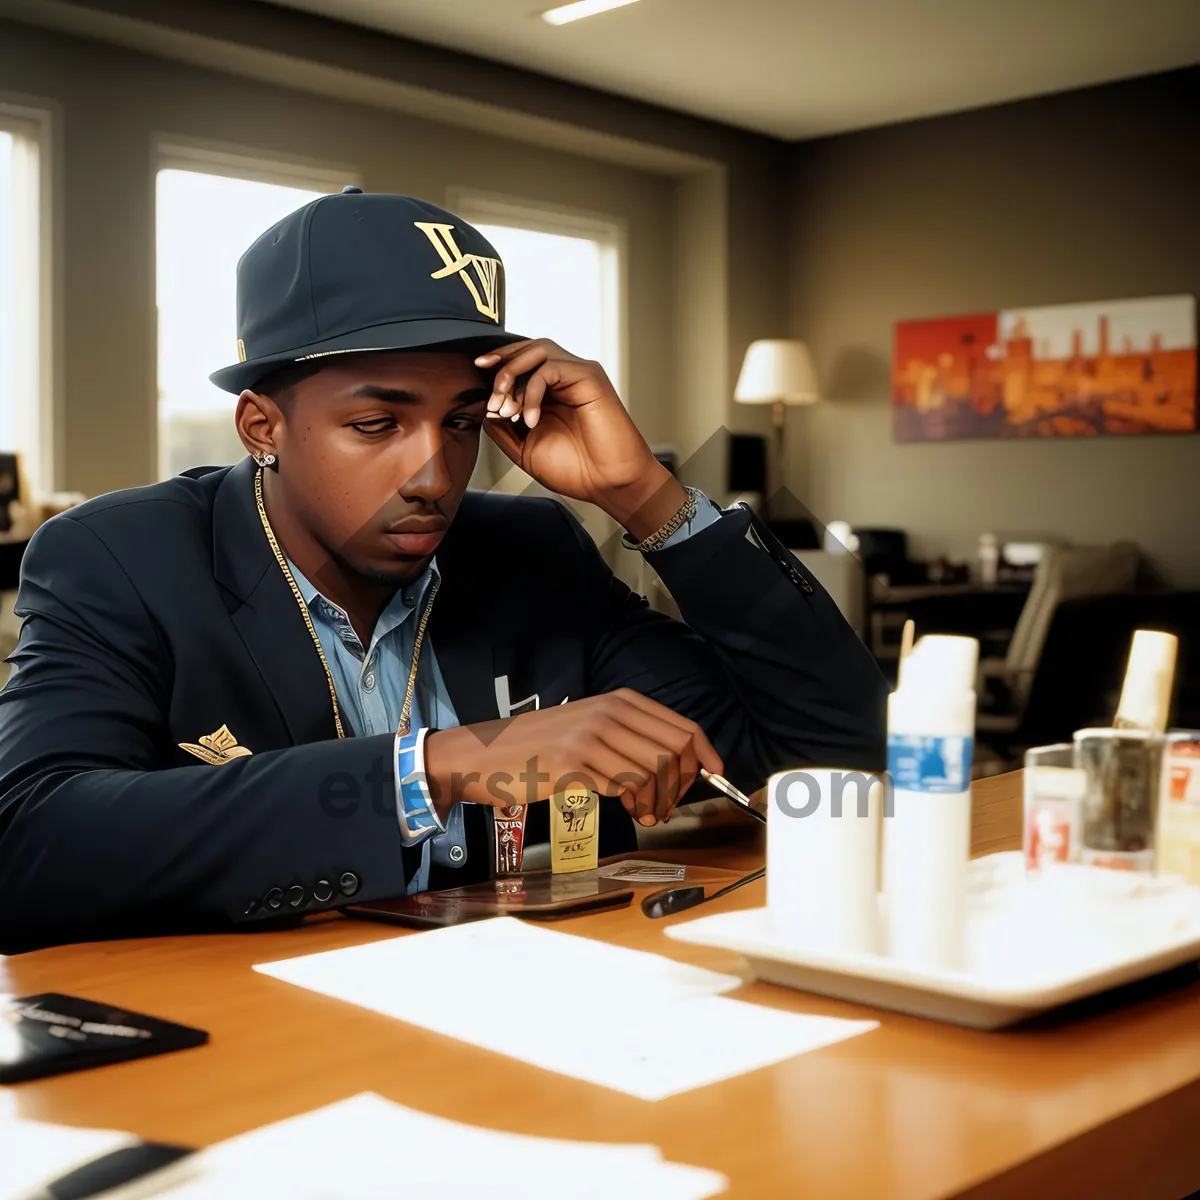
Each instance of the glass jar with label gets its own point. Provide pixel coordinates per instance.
(1179, 806)
(1054, 789)
(1120, 800)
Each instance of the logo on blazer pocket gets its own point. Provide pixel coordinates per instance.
(216, 748)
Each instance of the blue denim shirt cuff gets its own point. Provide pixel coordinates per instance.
(414, 804)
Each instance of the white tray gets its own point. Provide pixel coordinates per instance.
(1031, 945)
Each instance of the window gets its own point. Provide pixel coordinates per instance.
(562, 275)
(26, 405)
(206, 219)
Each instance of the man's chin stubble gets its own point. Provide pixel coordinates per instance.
(394, 577)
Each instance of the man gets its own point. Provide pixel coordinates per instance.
(260, 691)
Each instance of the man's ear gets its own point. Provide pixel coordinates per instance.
(258, 419)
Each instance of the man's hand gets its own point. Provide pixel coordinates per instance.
(619, 744)
(559, 418)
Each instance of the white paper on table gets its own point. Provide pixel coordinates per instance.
(35, 1153)
(368, 1146)
(624, 1019)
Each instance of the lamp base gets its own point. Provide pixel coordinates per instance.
(779, 421)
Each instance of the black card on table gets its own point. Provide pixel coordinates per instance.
(51, 1034)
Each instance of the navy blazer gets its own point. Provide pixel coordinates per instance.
(157, 615)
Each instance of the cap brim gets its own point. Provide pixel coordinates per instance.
(472, 336)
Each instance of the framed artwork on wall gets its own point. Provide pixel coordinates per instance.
(1105, 369)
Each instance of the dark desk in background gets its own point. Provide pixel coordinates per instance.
(985, 611)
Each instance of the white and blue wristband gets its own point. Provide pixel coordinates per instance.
(414, 804)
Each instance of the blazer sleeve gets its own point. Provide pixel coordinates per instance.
(97, 842)
(763, 661)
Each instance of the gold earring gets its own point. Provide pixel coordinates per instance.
(265, 460)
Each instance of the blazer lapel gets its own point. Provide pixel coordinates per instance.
(265, 612)
(459, 631)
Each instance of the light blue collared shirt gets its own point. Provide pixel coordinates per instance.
(370, 682)
(370, 685)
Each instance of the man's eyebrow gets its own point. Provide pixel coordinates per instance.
(370, 391)
(472, 396)
(386, 395)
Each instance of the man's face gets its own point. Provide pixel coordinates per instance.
(375, 453)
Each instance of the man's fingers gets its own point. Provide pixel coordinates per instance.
(492, 357)
(618, 774)
(659, 746)
(705, 754)
(658, 759)
(513, 404)
(528, 359)
(535, 390)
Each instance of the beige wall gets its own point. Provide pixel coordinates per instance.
(694, 196)
(112, 104)
(1085, 196)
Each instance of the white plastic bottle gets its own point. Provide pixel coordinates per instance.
(927, 837)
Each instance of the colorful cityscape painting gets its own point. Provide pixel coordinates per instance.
(1066, 370)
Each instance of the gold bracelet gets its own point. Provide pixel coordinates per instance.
(683, 514)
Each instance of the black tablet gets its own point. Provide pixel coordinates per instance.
(539, 896)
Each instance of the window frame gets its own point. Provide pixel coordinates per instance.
(172, 152)
(611, 232)
(38, 427)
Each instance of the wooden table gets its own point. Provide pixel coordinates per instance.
(1103, 1103)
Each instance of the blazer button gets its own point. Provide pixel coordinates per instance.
(274, 898)
(457, 854)
(296, 896)
(251, 908)
(348, 883)
(322, 891)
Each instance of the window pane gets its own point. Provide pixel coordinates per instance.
(7, 292)
(205, 224)
(556, 288)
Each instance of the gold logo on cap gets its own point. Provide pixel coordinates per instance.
(216, 748)
(484, 277)
(241, 350)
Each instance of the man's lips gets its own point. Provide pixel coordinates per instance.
(417, 537)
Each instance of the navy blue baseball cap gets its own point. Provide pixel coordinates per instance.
(358, 272)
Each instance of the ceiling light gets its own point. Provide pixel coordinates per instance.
(565, 13)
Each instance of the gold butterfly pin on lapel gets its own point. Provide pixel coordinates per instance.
(216, 748)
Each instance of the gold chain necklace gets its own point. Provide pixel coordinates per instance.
(406, 708)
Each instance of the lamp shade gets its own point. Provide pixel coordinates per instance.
(777, 370)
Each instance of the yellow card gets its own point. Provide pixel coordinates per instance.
(574, 830)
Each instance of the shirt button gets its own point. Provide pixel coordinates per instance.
(457, 854)
(369, 681)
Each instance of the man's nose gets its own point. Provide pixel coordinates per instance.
(424, 473)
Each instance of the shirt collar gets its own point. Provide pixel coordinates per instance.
(407, 598)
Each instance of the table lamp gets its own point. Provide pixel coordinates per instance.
(780, 373)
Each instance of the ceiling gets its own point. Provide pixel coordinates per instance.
(802, 68)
